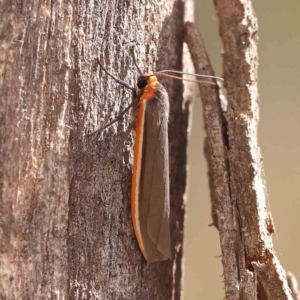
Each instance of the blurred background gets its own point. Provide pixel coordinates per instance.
(279, 140)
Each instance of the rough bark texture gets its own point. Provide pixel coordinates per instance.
(216, 154)
(66, 232)
(238, 190)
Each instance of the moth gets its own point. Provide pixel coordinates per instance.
(150, 195)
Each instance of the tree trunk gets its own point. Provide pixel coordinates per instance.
(236, 172)
(66, 230)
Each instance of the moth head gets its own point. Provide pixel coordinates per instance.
(145, 80)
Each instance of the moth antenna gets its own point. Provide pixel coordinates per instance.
(119, 81)
(134, 60)
(191, 74)
(184, 79)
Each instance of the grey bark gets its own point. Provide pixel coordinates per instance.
(66, 229)
(238, 190)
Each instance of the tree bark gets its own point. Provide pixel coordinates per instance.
(66, 230)
(238, 189)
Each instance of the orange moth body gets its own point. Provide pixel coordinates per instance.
(150, 203)
(150, 178)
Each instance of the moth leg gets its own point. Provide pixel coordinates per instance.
(120, 144)
(115, 151)
(118, 118)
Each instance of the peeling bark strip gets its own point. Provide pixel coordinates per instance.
(64, 233)
(251, 269)
(216, 155)
(238, 30)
